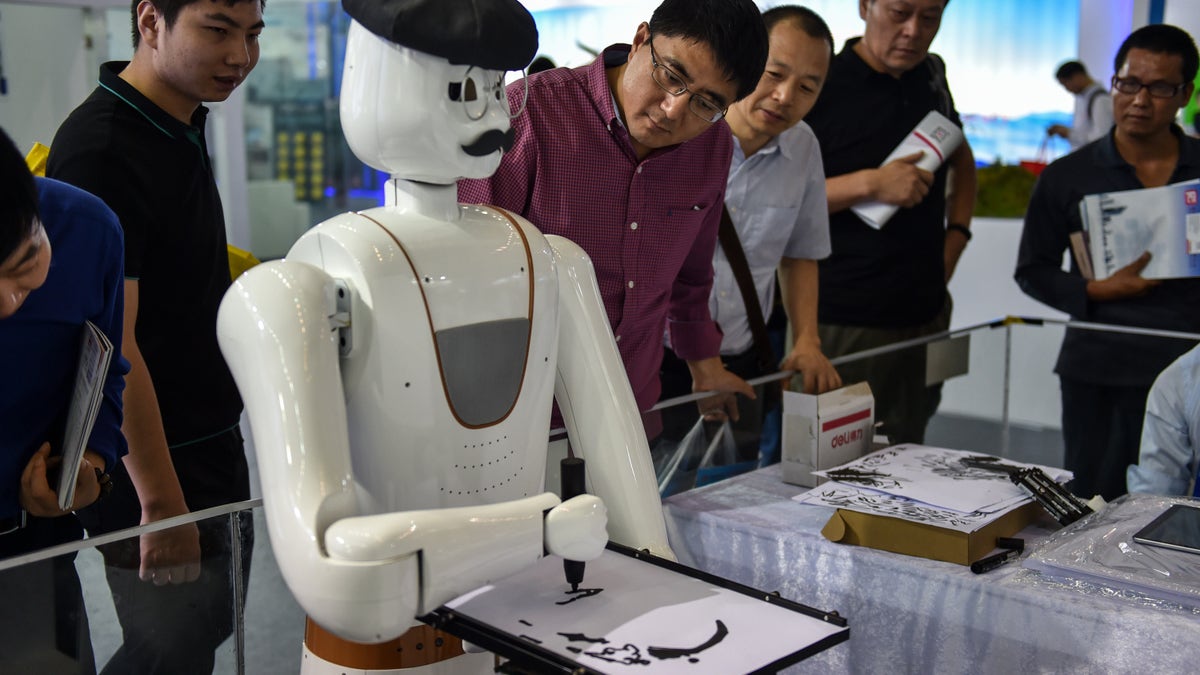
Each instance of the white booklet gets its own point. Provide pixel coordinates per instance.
(95, 354)
(937, 137)
(1118, 227)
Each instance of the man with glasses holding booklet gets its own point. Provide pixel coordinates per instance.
(627, 157)
(1106, 376)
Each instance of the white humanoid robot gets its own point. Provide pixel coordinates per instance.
(398, 366)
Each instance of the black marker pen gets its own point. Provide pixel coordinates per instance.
(573, 484)
(993, 561)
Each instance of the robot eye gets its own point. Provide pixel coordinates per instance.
(464, 91)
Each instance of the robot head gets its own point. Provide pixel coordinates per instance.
(423, 88)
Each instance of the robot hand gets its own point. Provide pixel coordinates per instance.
(577, 528)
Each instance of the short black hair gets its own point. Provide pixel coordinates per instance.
(732, 28)
(19, 208)
(1069, 69)
(1162, 38)
(170, 10)
(807, 20)
(540, 63)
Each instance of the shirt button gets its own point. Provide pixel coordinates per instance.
(631, 284)
(633, 225)
(617, 338)
(639, 169)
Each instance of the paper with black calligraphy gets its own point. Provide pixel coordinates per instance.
(935, 477)
(853, 498)
(630, 616)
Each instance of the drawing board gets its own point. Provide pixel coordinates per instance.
(635, 613)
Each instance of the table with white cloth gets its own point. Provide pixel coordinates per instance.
(910, 614)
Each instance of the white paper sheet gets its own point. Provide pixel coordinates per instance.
(935, 476)
(630, 616)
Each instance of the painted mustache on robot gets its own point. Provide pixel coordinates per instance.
(491, 141)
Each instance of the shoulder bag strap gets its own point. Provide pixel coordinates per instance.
(741, 272)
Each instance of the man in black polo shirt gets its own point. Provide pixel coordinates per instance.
(1105, 377)
(886, 285)
(138, 143)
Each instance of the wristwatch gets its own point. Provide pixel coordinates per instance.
(961, 229)
(105, 481)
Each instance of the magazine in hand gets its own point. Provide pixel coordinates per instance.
(1118, 227)
(95, 354)
(935, 136)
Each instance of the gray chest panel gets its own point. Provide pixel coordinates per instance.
(483, 365)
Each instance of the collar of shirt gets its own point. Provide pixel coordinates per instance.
(772, 146)
(110, 79)
(612, 57)
(1106, 152)
(856, 66)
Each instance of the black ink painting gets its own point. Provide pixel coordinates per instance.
(871, 479)
(580, 593)
(674, 653)
(887, 505)
(639, 617)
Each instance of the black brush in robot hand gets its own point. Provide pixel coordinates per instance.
(573, 485)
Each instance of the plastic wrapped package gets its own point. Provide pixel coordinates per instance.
(1099, 553)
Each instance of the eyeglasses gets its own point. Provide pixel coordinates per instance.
(1132, 86)
(478, 88)
(671, 83)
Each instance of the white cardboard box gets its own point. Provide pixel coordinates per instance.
(826, 430)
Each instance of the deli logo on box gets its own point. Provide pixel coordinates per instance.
(826, 430)
(850, 435)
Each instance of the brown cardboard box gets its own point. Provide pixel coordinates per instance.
(923, 540)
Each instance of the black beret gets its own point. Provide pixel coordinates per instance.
(492, 34)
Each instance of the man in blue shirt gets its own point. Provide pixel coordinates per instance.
(776, 194)
(1170, 452)
(44, 304)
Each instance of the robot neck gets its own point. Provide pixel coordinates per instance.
(438, 202)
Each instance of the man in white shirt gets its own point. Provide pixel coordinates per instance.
(1170, 453)
(1093, 106)
(776, 200)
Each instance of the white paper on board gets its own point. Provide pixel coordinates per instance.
(632, 616)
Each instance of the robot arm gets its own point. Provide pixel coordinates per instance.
(363, 577)
(464, 548)
(599, 408)
(275, 332)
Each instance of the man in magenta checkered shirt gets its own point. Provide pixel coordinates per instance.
(628, 157)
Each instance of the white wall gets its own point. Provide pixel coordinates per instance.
(1185, 14)
(984, 290)
(47, 66)
(1103, 24)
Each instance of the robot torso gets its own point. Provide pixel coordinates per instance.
(448, 363)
